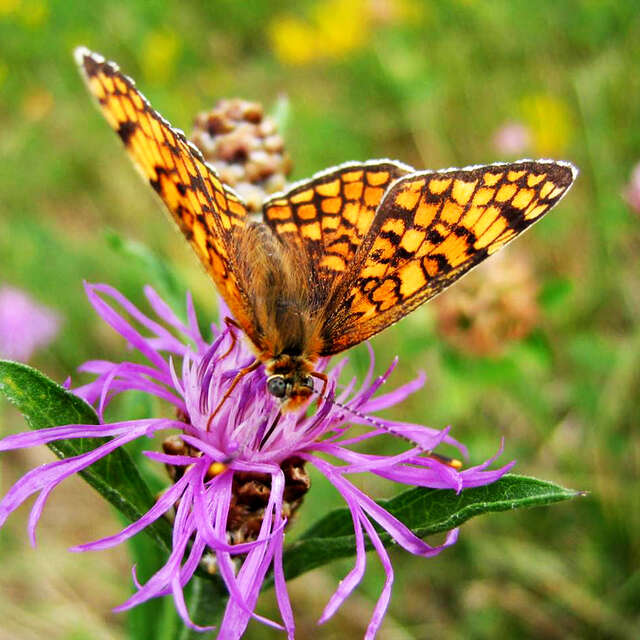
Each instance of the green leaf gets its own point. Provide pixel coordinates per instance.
(424, 511)
(45, 403)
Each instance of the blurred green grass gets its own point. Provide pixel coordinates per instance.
(427, 83)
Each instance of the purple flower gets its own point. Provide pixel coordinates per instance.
(512, 138)
(238, 480)
(25, 325)
(632, 191)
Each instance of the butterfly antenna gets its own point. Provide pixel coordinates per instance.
(451, 462)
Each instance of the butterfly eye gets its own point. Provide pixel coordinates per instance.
(276, 386)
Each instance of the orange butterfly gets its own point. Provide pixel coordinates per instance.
(338, 257)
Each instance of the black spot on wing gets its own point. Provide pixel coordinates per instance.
(443, 263)
(513, 215)
(126, 130)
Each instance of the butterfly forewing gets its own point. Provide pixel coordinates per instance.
(430, 229)
(209, 215)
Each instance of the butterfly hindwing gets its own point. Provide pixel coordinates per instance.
(430, 229)
(210, 215)
(328, 216)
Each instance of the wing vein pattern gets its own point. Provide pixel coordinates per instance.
(429, 230)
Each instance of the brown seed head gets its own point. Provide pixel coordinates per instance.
(245, 148)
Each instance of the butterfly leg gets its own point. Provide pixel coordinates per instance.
(230, 322)
(243, 372)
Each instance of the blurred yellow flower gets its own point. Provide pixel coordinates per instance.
(549, 121)
(158, 57)
(7, 7)
(342, 26)
(34, 13)
(293, 41)
(335, 28)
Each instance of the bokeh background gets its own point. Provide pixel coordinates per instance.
(540, 346)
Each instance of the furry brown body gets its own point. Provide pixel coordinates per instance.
(287, 312)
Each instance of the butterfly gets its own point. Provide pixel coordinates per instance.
(338, 257)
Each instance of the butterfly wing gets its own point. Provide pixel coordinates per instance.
(210, 215)
(326, 217)
(430, 229)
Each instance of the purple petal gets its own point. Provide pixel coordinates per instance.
(254, 568)
(164, 311)
(125, 329)
(477, 476)
(396, 396)
(396, 529)
(354, 577)
(383, 601)
(53, 473)
(194, 328)
(70, 431)
(161, 506)
(36, 512)
(280, 585)
(365, 394)
(157, 584)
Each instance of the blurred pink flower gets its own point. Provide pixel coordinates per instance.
(632, 190)
(25, 325)
(512, 138)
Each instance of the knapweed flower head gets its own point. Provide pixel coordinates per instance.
(237, 478)
(25, 325)
(246, 149)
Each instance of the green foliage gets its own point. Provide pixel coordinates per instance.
(424, 511)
